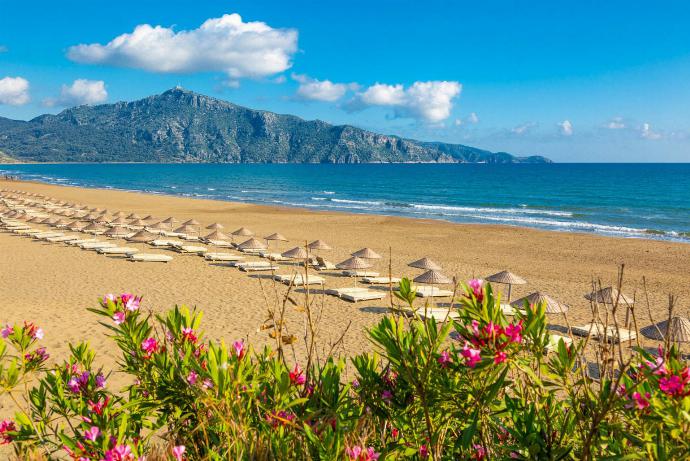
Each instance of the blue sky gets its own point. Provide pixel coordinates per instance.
(575, 81)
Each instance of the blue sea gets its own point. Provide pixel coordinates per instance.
(627, 200)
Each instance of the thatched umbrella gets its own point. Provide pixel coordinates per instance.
(91, 217)
(609, 295)
(138, 223)
(94, 227)
(354, 263)
(426, 264)
(158, 227)
(296, 253)
(116, 232)
(170, 222)
(187, 229)
(61, 222)
(252, 244)
(133, 216)
(149, 219)
(217, 235)
(319, 245)
(119, 221)
(432, 277)
(77, 225)
(506, 278)
(215, 226)
(119, 214)
(49, 221)
(191, 222)
(552, 306)
(366, 253)
(142, 236)
(677, 330)
(242, 232)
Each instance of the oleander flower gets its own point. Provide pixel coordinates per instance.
(92, 434)
(150, 346)
(239, 348)
(192, 377)
(6, 426)
(118, 317)
(514, 332)
(6, 331)
(357, 453)
(178, 452)
(119, 453)
(641, 402)
(297, 377)
(444, 359)
(477, 285)
(500, 357)
(130, 301)
(472, 356)
(188, 334)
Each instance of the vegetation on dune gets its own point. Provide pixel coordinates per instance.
(181, 126)
(479, 387)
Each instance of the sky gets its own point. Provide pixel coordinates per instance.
(585, 81)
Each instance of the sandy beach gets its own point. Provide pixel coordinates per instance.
(53, 284)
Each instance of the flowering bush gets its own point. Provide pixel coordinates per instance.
(478, 386)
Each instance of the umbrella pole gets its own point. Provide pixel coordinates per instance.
(509, 289)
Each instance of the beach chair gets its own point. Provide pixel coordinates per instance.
(253, 266)
(360, 274)
(298, 279)
(277, 257)
(380, 280)
(81, 241)
(340, 291)
(324, 265)
(432, 292)
(437, 313)
(118, 251)
(64, 238)
(219, 243)
(97, 245)
(555, 339)
(190, 249)
(150, 258)
(43, 235)
(226, 257)
(368, 295)
(597, 331)
(163, 243)
(510, 311)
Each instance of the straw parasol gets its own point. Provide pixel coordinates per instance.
(252, 244)
(76, 225)
(296, 253)
(142, 236)
(138, 223)
(116, 232)
(159, 227)
(677, 329)
(170, 221)
(366, 253)
(133, 216)
(187, 229)
(609, 295)
(354, 263)
(319, 245)
(242, 232)
(61, 222)
(191, 222)
(118, 221)
(426, 264)
(94, 227)
(506, 278)
(432, 277)
(216, 235)
(277, 237)
(49, 221)
(119, 214)
(552, 306)
(215, 226)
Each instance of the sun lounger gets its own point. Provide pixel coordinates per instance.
(13, 227)
(510, 311)
(298, 279)
(380, 280)
(222, 257)
(324, 265)
(437, 313)
(252, 251)
(64, 238)
(360, 274)
(191, 249)
(274, 257)
(219, 243)
(118, 251)
(163, 243)
(79, 242)
(554, 340)
(432, 292)
(47, 234)
(23, 231)
(597, 331)
(150, 257)
(256, 266)
(340, 291)
(96, 245)
(193, 238)
(368, 295)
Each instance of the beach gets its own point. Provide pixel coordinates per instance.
(54, 284)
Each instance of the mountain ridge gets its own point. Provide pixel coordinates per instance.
(180, 126)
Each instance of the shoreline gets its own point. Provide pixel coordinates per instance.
(650, 232)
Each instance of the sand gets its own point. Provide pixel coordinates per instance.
(53, 284)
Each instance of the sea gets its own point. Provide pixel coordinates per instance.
(650, 201)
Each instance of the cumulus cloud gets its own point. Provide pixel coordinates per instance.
(80, 92)
(431, 101)
(226, 44)
(14, 91)
(616, 123)
(647, 133)
(566, 128)
(523, 129)
(321, 90)
(472, 118)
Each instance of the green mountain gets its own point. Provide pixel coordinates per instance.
(182, 126)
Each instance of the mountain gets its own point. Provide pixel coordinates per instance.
(182, 126)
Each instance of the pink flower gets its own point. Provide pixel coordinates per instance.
(6, 331)
(479, 452)
(188, 334)
(178, 452)
(296, 376)
(119, 453)
(358, 453)
(6, 426)
(387, 396)
(73, 385)
(423, 452)
(192, 377)
(130, 302)
(239, 348)
(472, 356)
(444, 359)
(475, 327)
(100, 381)
(476, 285)
(207, 384)
(38, 334)
(92, 434)
(119, 318)
(671, 385)
(513, 331)
(641, 402)
(108, 298)
(500, 357)
(657, 367)
(150, 346)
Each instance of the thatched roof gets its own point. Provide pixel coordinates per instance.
(366, 253)
(426, 264)
(354, 263)
(252, 244)
(552, 306)
(507, 278)
(678, 330)
(432, 277)
(319, 245)
(609, 295)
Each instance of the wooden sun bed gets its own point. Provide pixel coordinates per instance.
(510, 311)
(43, 235)
(437, 313)
(79, 242)
(253, 266)
(597, 331)
(118, 251)
(164, 243)
(298, 279)
(432, 292)
(340, 291)
(97, 245)
(368, 295)
(277, 257)
(380, 280)
(150, 257)
(64, 238)
(222, 257)
(190, 249)
(219, 243)
(360, 274)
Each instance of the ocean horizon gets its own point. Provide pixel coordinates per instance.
(649, 201)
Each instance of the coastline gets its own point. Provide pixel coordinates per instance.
(65, 281)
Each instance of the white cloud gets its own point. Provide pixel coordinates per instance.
(80, 92)
(523, 129)
(647, 133)
(431, 101)
(14, 91)
(458, 122)
(566, 128)
(616, 123)
(472, 118)
(225, 44)
(321, 90)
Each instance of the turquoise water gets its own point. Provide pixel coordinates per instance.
(629, 200)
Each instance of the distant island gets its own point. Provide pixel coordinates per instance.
(181, 126)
